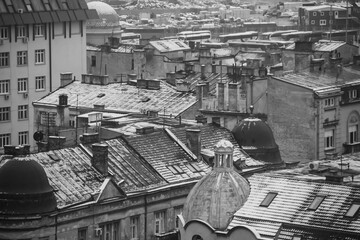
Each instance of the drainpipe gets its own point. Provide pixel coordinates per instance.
(56, 225)
(50, 58)
(317, 134)
(145, 217)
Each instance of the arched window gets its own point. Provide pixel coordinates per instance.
(196, 237)
(353, 127)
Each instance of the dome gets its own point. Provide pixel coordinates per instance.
(24, 188)
(107, 14)
(219, 194)
(257, 139)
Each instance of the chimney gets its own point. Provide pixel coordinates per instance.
(221, 96)
(171, 78)
(89, 137)
(100, 157)
(203, 72)
(233, 96)
(56, 142)
(213, 68)
(193, 141)
(199, 94)
(65, 79)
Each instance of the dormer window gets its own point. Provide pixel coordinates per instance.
(353, 210)
(268, 199)
(316, 202)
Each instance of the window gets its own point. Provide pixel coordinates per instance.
(316, 203)
(314, 14)
(4, 86)
(329, 102)
(110, 231)
(177, 211)
(312, 22)
(353, 94)
(64, 5)
(40, 83)
(21, 58)
(296, 237)
(5, 114)
(21, 31)
(22, 85)
(93, 61)
(336, 14)
(322, 13)
(353, 136)
(268, 199)
(134, 227)
(39, 30)
(196, 237)
(40, 56)
(159, 222)
(353, 210)
(47, 5)
(4, 33)
(28, 5)
(4, 139)
(82, 234)
(4, 59)
(329, 139)
(22, 112)
(322, 22)
(23, 138)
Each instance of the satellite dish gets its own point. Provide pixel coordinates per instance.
(38, 136)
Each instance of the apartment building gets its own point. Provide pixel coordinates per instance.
(38, 41)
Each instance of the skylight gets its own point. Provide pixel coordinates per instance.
(268, 199)
(175, 169)
(316, 202)
(353, 210)
(296, 237)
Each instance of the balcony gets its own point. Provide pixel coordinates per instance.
(352, 147)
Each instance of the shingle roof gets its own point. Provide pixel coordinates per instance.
(123, 97)
(164, 155)
(211, 134)
(53, 11)
(291, 205)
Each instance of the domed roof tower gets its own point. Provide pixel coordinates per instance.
(219, 194)
(25, 189)
(107, 14)
(257, 139)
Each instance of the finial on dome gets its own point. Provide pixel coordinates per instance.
(251, 109)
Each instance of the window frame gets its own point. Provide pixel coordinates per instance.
(315, 204)
(40, 83)
(329, 141)
(22, 58)
(39, 56)
(4, 33)
(81, 231)
(159, 222)
(39, 30)
(23, 112)
(322, 22)
(134, 227)
(5, 114)
(4, 87)
(4, 59)
(269, 198)
(355, 213)
(22, 85)
(111, 228)
(23, 137)
(5, 139)
(329, 102)
(21, 31)
(314, 14)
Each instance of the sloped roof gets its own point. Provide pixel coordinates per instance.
(211, 134)
(40, 12)
(291, 205)
(323, 8)
(322, 46)
(164, 154)
(123, 98)
(211, 78)
(171, 45)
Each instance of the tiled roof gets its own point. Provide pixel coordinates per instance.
(123, 97)
(172, 45)
(291, 205)
(127, 165)
(42, 12)
(165, 155)
(211, 78)
(211, 135)
(322, 46)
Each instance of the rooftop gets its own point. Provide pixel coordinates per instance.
(122, 97)
(322, 46)
(172, 45)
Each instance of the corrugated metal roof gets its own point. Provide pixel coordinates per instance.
(322, 46)
(291, 203)
(123, 97)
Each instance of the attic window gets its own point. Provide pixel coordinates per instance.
(54, 157)
(179, 44)
(268, 199)
(101, 95)
(316, 203)
(175, 169)
(353, 210)
(296, 237)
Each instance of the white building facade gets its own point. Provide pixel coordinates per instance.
(38, 41)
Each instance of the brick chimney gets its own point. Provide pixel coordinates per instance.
(193, 141)
(234, 92)
(221, 96)
(63, 113)
(203, 72)
(100, 157)
(89, 137)
(56, 142)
